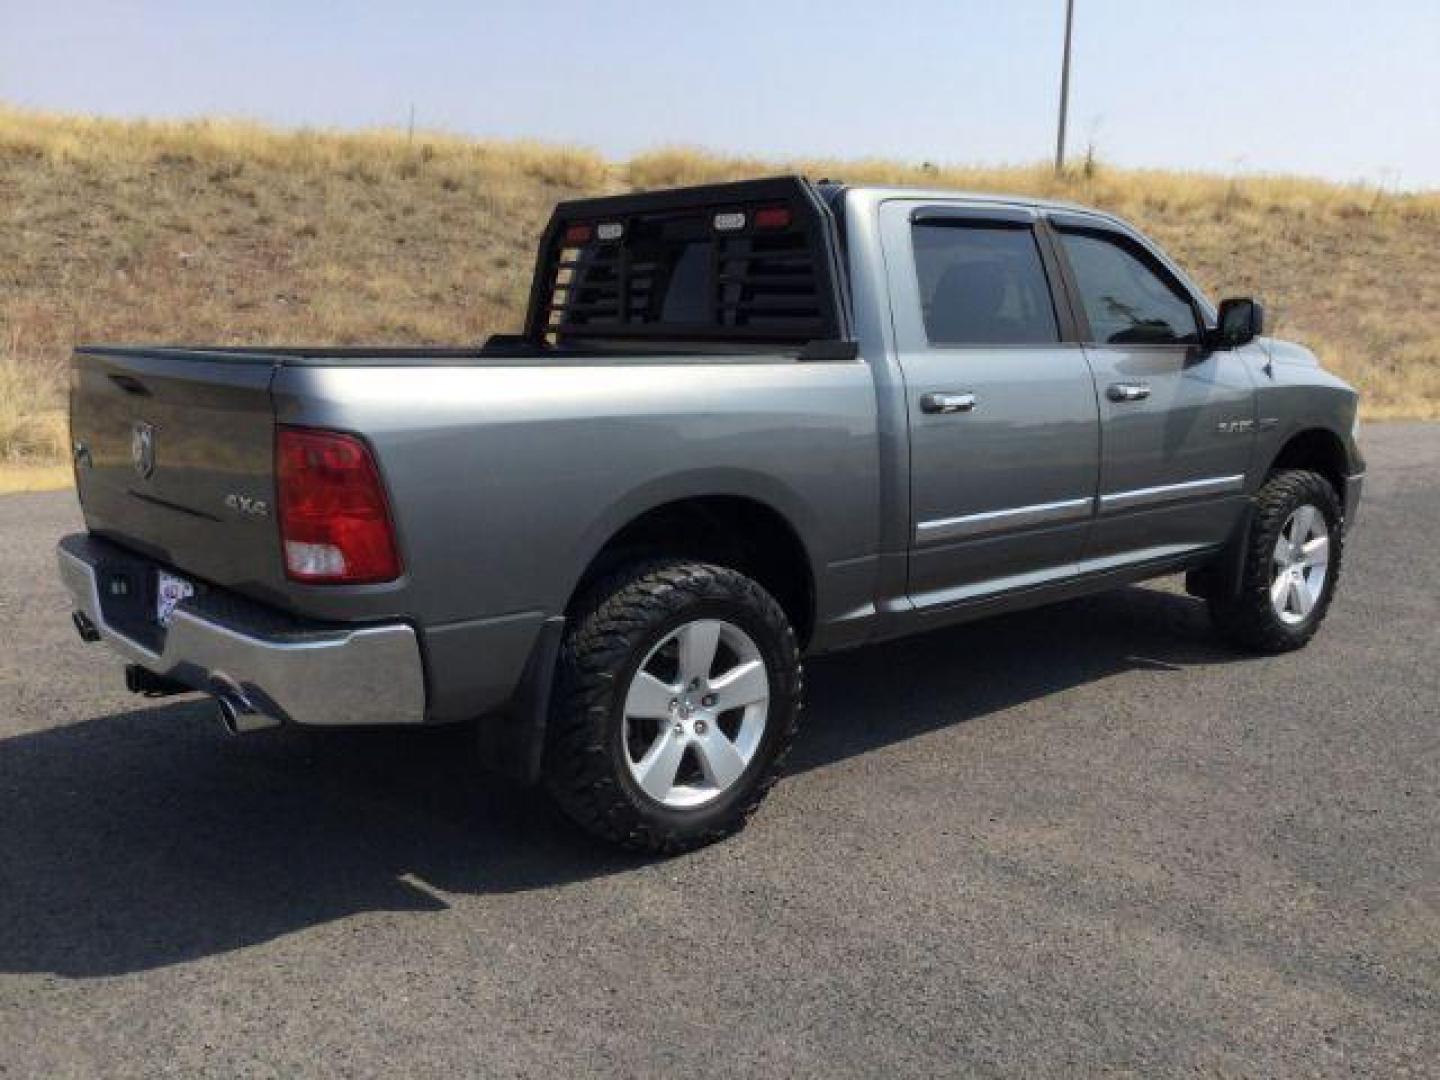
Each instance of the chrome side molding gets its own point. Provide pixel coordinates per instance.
(1215, 485)
(941, 529)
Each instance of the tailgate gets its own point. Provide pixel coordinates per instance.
(175, 458)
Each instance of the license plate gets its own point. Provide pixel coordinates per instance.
(169, 591)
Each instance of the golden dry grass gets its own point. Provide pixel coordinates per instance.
(33, 476)
(221, 231)
(235, 233)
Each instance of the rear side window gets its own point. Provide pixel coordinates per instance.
(982, 284)
(1127, 300)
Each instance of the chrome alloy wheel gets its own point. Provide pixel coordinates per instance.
(1299, 565)
(695, 713)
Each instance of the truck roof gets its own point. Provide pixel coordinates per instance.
(881, 192)
(874, 194)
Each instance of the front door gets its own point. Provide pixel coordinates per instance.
(1177, 420)
(1004, 444)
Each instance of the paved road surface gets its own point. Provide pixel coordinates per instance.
(1080, 839)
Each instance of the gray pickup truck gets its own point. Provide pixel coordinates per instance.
(744, 422)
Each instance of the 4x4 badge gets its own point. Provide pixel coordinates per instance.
(142, 448)
(247, 505)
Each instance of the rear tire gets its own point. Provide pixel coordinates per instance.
(1291, 566)
(677, 697)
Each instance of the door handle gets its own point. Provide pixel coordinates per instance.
(1126, 391)
(947, 403)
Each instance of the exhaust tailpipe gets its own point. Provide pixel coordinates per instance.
(237, 715)
(88, 631)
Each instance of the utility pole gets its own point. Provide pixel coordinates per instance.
(1064, 90)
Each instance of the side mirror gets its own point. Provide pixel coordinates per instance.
(1239, 322)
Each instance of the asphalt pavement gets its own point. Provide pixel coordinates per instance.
(1083, 839)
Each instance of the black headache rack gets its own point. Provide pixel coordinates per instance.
(755, 262)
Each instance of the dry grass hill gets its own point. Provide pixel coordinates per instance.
(230, 232)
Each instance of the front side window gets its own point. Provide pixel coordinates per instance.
(982, 284)
(1126, 300)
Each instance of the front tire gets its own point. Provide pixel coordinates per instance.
(677, 697)
(1292, 557)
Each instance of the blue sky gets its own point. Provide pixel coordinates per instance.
(1331, 88)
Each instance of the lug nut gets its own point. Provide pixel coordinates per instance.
(700, 727)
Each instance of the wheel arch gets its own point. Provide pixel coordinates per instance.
(1317, 449)
(743, 531)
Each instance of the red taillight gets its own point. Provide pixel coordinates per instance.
(772, 217)
(334, 522)
(579, 234)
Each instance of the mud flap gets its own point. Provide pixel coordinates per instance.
(1221, 578)
(513, 741)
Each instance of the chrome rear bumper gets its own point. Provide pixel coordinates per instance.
(320, 674)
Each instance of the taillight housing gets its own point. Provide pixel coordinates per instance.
(335, 525)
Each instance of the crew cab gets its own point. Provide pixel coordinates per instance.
(743, 423)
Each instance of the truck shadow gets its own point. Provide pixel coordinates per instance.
(143, 839)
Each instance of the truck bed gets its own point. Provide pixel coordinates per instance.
(208, 414)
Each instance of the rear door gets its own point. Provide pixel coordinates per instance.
(1177, 420)
(1004, 440)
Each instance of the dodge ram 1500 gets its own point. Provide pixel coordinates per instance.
(743, 423)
